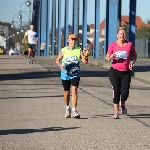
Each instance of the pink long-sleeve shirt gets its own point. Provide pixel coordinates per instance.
(124, 53)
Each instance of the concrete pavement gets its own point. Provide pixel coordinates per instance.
(140, 70)
(32, 110)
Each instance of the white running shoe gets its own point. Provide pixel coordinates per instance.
(75, 114)
(68, 113)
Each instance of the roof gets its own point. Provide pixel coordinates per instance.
(124, 21)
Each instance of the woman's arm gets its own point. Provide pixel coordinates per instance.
(134, 54)
(109, 57)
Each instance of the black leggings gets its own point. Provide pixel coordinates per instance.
(120, 81)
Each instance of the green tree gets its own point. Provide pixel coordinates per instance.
(144, 31)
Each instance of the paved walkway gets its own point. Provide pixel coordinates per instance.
(141, 68)
(32, 110)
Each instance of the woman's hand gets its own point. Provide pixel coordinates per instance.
(130, 66)
(109, 57)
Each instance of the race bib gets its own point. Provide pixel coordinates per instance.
(121, 54)
(72, 59)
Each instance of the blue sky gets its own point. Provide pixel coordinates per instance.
(8, 9)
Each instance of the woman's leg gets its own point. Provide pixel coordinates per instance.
(116, 85)
(125, 85)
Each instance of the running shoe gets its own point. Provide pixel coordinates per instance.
(116, 115)
(123, 110)
(68, 113)
(75, 114)
(28, 62)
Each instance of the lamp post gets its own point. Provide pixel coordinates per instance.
(20, 17)
(28, 4)
(13, 25)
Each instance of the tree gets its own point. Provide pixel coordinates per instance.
(144, 31)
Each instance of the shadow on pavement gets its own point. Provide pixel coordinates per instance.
(140, 116)
(49, 74)
(31, 97)
(27, 131)
(141, 68)
(29, 75)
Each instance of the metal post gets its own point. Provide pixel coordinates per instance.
(84, 24)
(43, 22)
(75, 17)
(66, 21)
(106, 28)
(29, 14)
(53, 27)
(119, 12)
(38, 23)
(59, 26)
(132, 23)
(78, 21)
(55, 50)
(20, 32)
(113, 20)
(48, 30)
(97, 29)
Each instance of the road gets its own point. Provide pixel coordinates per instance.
(32, 110)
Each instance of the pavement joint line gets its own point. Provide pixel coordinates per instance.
(48, 69)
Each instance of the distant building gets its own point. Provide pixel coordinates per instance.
(4, 33)
(124, 21)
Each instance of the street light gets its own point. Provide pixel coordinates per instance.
(28, 4)
(13, 26)
(20, 17)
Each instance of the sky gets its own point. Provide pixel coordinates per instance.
(9, 8)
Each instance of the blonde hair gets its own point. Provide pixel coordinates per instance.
(121, 28)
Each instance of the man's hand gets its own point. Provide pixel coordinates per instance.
(61, 67)
(25, 41)
(86, 50)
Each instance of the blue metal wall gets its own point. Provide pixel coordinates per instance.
(41, 20)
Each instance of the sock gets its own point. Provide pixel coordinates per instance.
(67, 107)
(73, 109)
(116, 112)
(29, 59)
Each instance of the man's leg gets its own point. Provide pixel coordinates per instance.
(66, 84)
(33, 52)
(33, 55)
(75, 84)
(29, 54)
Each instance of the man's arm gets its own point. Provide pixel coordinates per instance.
(84, 58)
(25, 35)
(58, 59)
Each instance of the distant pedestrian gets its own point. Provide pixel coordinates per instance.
(16, 52)
(42, 48)
(32, 42)
(120, 53)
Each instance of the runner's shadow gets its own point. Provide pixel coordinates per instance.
(140, 116)
(99, 116)
(27, 131)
